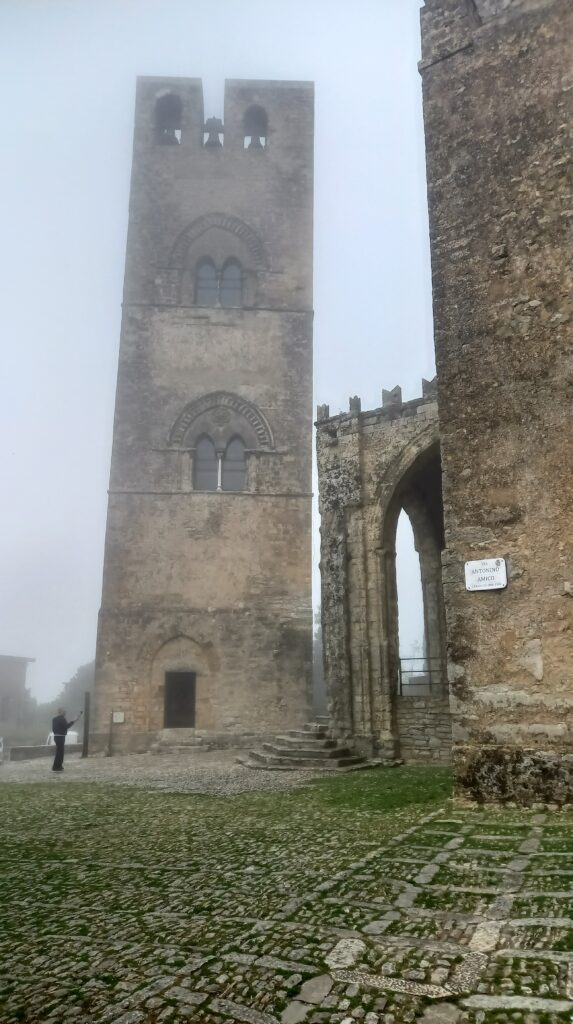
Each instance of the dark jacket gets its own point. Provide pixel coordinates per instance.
(60, 726)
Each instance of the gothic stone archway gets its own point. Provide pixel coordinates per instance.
(371, 466)
(180, 656)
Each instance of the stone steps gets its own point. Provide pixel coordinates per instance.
(304, 749)
(308, 740)
(306, 752)
(177, 748)
(319, 733)
(257, 759)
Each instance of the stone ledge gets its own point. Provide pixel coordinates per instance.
(32, 753)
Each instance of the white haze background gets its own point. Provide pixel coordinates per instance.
(68, 70)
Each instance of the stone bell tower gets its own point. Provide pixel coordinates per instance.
(205, 624)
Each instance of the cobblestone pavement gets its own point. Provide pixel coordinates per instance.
(196, 771)
(122, 906)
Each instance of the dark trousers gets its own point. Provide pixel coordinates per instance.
(59, 758)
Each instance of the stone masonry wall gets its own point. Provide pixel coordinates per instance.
(498, 106)
(425, 729)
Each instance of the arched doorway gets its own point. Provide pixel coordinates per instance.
(418, 494)
(181, 687)
(372, 467)
(417, 685)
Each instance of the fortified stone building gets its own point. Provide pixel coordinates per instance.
(498, 106)
(205, 624)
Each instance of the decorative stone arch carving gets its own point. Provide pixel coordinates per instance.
(157, 650)
(222, 415)
(226, 222)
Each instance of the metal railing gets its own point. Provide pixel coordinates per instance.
(420, 677)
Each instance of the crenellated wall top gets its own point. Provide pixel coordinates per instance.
(392, 407)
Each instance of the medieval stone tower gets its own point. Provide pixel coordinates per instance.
(498, 105)
(205, 624)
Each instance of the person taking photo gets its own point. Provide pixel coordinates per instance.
(60, 728)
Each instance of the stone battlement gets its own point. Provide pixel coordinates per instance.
(392, 407)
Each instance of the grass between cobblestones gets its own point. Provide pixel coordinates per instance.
(125, 905)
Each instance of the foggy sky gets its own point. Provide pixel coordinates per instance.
(68, 71)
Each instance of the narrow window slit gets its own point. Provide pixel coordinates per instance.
(207, 284)
(168, 119)
(231, 288)
(206, 466)
(234, 466)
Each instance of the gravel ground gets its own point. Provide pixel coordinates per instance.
(195, 771)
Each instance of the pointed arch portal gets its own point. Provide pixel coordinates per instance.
(180, 685)
(373, 468)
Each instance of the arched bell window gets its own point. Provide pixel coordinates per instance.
(255, 128)
(207, 284)
(234, 468)
(231, 286)
(168, 118)
(205, 466)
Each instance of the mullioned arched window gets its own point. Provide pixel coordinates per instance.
(219, 289)
(219, 470)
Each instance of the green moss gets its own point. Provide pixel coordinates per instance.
(385, 789)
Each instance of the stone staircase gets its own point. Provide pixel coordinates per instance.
(310, 749)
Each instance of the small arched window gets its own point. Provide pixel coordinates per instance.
(255, 124)
(207, 285)
(168, 118)
(234, 471)
(231, 288)
(205, 466)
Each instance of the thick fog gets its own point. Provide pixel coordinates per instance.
(68, 71)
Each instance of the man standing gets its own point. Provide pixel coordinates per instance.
(60, 728)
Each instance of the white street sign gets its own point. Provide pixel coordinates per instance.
(486, 574)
